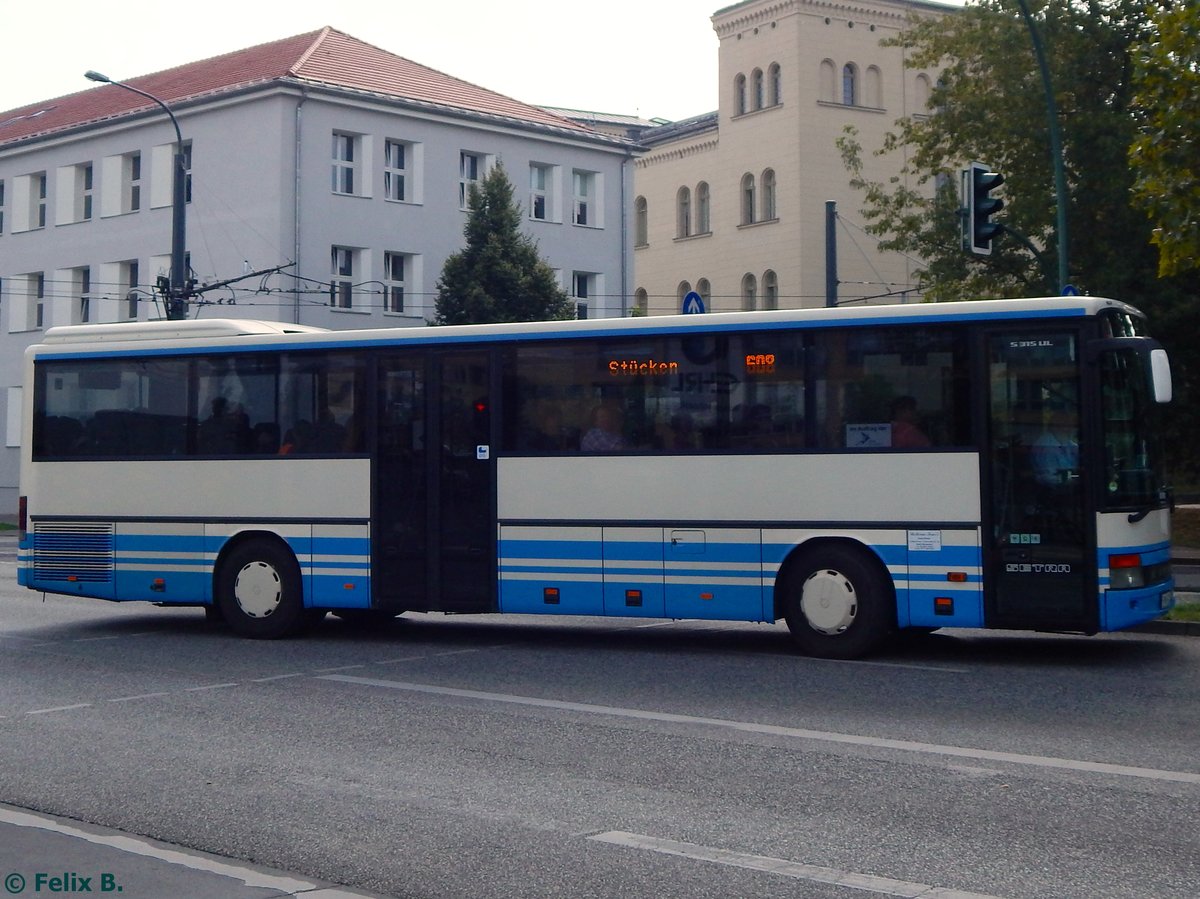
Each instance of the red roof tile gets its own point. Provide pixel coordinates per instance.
(327, 57)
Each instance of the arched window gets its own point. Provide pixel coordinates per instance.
(747, 199)
(770, 290)
(749, 293)
(774, 84)
(739, 95)
(641, 301)
(703, 220)
(705, 290)
(923, 93)
(872, 94)
(756, 83)
(680, 292)
(849, 84)
(641, 224)
(828, 81)
(769, 212)
(683, 213)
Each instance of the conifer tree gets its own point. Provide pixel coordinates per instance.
(499, 276)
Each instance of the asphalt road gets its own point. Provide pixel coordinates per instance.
(503, 756)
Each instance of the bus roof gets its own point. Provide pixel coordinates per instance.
(236, 333)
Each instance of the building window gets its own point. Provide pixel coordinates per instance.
(346, 152)
(641, 223)
(705, 290)
(749, 293)
(770, 290)
(130, 283)
(584, 288)
(131, 182)
(1, 206)
(775, 84)
(683, 213)
(470, 170)
(703, 205)
(748, 199)
(828, 81)
(849, 84)
(872, 93)
(542, 205)
(739, 95)
(82, 283)
(681, 291)
(37, 201)
(38, 298)
(768, 196)
(756, 87)
(396, 160)
(641, 302)
(395, 269)
(341, 288)
(187, 171)
(82, 192)
(585, 207)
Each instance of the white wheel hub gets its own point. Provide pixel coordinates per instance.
(829, 602)
(258, 589)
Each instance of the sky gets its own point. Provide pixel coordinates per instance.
(653, 58)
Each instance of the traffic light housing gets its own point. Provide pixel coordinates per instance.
(980, 181)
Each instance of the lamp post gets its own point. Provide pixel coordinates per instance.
(1056, 154)
(177, 299)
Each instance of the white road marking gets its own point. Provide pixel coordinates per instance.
(58, 708)
(799, 733)
(285, 886)
(784, 868)
(140, 696)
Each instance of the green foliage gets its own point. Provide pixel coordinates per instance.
(499, 276)
(990, 106)
(1166, 81)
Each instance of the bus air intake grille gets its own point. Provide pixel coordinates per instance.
(73, 551)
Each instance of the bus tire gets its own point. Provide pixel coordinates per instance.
(259, 590)
(838, 603)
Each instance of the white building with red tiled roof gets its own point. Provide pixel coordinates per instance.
(343, 163)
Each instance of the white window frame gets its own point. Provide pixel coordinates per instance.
(398, 287)
(343, 264)
(131, 181)
(543, 189)
(472, 168)
(346, 155)
(587, 189)
(397, 170)
(130, 278)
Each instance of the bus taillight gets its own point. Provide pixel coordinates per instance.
(1125, 571)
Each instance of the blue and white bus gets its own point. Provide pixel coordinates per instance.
(856, 472)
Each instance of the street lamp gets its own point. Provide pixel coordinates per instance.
(177, 300)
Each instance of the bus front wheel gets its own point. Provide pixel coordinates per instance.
(838, 603)
(259, 591)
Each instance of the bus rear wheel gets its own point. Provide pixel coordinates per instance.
(838, 603)
(259, 591)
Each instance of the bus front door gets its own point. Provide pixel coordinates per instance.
(433, 521)
(1038, 543)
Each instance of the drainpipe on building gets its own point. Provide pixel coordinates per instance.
(296, 210)
(624, 235)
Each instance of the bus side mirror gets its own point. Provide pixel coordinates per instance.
(1160, 373)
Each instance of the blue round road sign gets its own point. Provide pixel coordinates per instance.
(693, 303)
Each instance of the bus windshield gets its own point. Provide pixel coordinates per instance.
(1132, 451)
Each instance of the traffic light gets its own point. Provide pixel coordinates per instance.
(979, 182)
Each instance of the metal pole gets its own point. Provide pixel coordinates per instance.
(1056, 154)
(177, 302)
(831, 274)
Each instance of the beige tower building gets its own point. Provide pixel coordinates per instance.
(733, 204)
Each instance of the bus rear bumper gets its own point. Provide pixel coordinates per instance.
(1121, 609)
